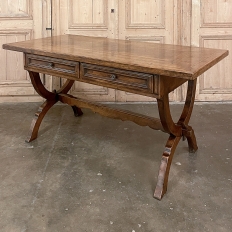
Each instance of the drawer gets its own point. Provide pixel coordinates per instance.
(117, 78)
(51, 66)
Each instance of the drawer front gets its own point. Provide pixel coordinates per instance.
(52, 66)
(117, 78)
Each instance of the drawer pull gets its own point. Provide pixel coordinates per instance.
(113, 77)
(51, 65)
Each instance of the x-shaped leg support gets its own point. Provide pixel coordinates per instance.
(51, 99)
(176, 131)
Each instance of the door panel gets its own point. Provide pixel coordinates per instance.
(145, 14)
(88, 14)
(19, 21)
(13, 10)
(212, 28)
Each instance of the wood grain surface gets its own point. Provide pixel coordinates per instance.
(163, 59)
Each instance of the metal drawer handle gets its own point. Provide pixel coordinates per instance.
(113, 77)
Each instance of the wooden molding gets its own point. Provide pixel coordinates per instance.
(183, 27)
(27, 15)
(213, 24)
(160, 39)
(89, 91)
(27, 32)
(213, 90)
(130, 24)
(88, 26)
(16, 88)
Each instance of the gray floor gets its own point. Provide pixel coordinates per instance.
(98, 174)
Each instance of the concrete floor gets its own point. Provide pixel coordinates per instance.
(98, 174)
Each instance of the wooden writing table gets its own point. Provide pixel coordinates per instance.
(147, 69)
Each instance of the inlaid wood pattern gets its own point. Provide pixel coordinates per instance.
(162, 59)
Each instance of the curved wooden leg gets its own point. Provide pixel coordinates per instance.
(39, 115)
(176, 131)
(64, 89)
(77, 111)
(191, 138)
(187, 131)
(51, 99)
(166, 161)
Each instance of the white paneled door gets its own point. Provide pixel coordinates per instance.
(19, 20)
(212, 28)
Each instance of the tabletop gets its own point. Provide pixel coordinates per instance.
(163, 59)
